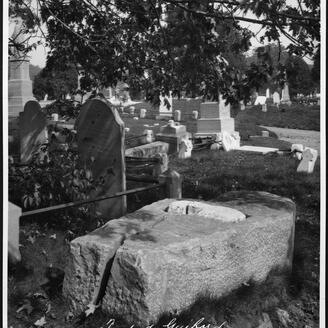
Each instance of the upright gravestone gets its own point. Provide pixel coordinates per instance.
(100, 138)
(165, 108)
(276, 98)
(285, 98)
(32, 130)
(215, 118)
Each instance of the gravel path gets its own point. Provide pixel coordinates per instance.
(304, 137)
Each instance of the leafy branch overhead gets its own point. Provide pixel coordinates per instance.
(179, 45)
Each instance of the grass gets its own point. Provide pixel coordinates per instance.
(207, 175)
(294, 117)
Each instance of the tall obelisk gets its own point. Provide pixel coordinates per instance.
(19, 84)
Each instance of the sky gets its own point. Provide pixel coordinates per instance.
(38, 56)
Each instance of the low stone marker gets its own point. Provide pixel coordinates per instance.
(148, 136)
(32, 130)
(185, 148)
(14, 213)
(242, 105)
(264, 108)
(276, 98)
(260, 100)
(195, 115)
(297, 149)
(265, 134)
(172, 133)
(309, 157)
(230, 141)
(177, 115)
(100, 139)
(163, 256)
(54, 117)
(143, 112)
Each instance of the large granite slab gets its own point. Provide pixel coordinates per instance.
(159, 260)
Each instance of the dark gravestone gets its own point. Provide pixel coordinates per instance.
(100, 139)
(32, 130)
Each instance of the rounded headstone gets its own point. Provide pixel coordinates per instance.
(177, 115)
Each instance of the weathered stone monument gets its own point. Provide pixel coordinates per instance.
(276, 98)
(242, 105)
(260, 100)
(100, 139)
(32, 130)
(215, 117)
(14, 213)
(19, 83)
(172, 133)
(165, 108)
(285, 98)
(309, 157)
(163, 256)
(185, 148)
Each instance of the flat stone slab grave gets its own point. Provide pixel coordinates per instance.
(255, 149)
(163, 256)
(148, 150)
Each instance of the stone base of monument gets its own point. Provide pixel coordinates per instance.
(172, 133)
(13, 138)
(163, 256)
(148, 150)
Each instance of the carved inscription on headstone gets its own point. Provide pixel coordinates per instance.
(32, 130)
(100, 137)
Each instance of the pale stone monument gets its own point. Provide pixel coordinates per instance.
(19, 83)
(148, 136)
(185, 148)
(309, 157)
(276, 98)
(215, 118)
(230, 141)
(172, 133)
(260, 100)
(285, 99)
(242, 105)
(267, 93)
(297, 150)
(264, 108)
(177, 115)
(195, 114)
(14, 213)
(32, 130)
(143, 112)
(160, 258)
(100, 139)
(265, 134)
(165, 108)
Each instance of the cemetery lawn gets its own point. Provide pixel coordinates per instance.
(207, 175)
(296, 116)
